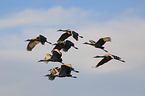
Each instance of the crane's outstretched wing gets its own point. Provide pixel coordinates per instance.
(75, 35)
(104, 60)
(102, 41)
(32, 44)
(59, 45)
(56, 54)
(48, 56)
(67, 45)
(42, 39)
(65, 70)
(52, 76)
(63, 37)
(118, 58)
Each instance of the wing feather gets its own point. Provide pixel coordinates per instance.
(65, 70)
(31, 45)
(56, 54)
(75, 35)
(59, 45)
(92, 42)
(48, 56)
(63, 37)
(104, 60)
(102, 41)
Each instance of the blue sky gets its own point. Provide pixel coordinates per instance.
(122, 20)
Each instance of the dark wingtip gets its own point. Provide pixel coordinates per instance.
(81, 36)
(28, 49)
(76, 47)
(105, 50)
(48, 42)
(76, 71)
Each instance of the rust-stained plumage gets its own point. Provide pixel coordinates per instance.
(34, 41)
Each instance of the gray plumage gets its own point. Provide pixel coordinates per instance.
(67, 34)
(34, 41)
(55, 57)
(64, 45)
(99, 43)
(107, 58)
(61, 71)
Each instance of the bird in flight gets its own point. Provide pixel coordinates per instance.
(55, 57)
(67, 34)
(65, 45)
(99, 43)
(63, 70)
(34, 41)
(107, 58)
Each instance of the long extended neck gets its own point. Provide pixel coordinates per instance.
(98, 56)
(122, 60)
(88, 43)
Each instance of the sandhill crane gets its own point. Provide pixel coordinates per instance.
(99, 43)
(61, 71)
(67, 34)
(65, 45)
(107, 58)
(34, 41)
(55, 57)
(53, 73)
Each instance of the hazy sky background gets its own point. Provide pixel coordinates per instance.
(122, 20)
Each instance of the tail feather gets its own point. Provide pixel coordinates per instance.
(81, 36)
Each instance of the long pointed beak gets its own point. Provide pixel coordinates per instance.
(27, 40)
(40, 61)
(76, 71)
(96, 57)
(76, 47)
